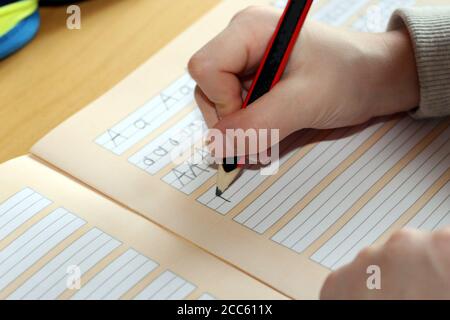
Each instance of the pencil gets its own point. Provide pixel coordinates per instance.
(268, 74)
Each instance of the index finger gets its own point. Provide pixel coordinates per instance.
(217, 66)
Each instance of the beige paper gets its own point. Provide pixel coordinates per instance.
(204, 272)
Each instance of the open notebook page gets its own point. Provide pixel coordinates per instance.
(336, 191)
(53, 231)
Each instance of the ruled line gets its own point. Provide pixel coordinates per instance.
(167, 286)
(435, 213)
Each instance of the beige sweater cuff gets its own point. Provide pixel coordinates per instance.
(429, 28)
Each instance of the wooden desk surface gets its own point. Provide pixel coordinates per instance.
(63, 70)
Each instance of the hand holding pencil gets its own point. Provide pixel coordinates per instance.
(332, 79)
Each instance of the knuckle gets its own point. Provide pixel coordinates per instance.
(365, 254)
(198, 65)
(402, 243)
(400, 237)
(244, 14)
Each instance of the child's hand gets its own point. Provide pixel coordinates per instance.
(334, 77)
(412, 265)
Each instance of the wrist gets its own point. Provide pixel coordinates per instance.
(394, 83)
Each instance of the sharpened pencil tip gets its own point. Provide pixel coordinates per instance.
(218, 192)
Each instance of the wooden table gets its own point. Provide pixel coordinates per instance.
(63, 70)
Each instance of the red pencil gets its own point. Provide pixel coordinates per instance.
(269, 73)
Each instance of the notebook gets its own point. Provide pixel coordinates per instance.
(102, 209)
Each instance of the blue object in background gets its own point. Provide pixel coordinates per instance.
(20, 35)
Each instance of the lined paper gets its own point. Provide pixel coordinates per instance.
(171, 144)
(388, 205)
(38, 240)
(342, 193)
(206, 296)
(51, 280)
(192, 173)
(35, 266)
(19, 208)
(168, 286)
(117, 278)
(249, 180)
(435, 214)
(290, 188)
(135, 127)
